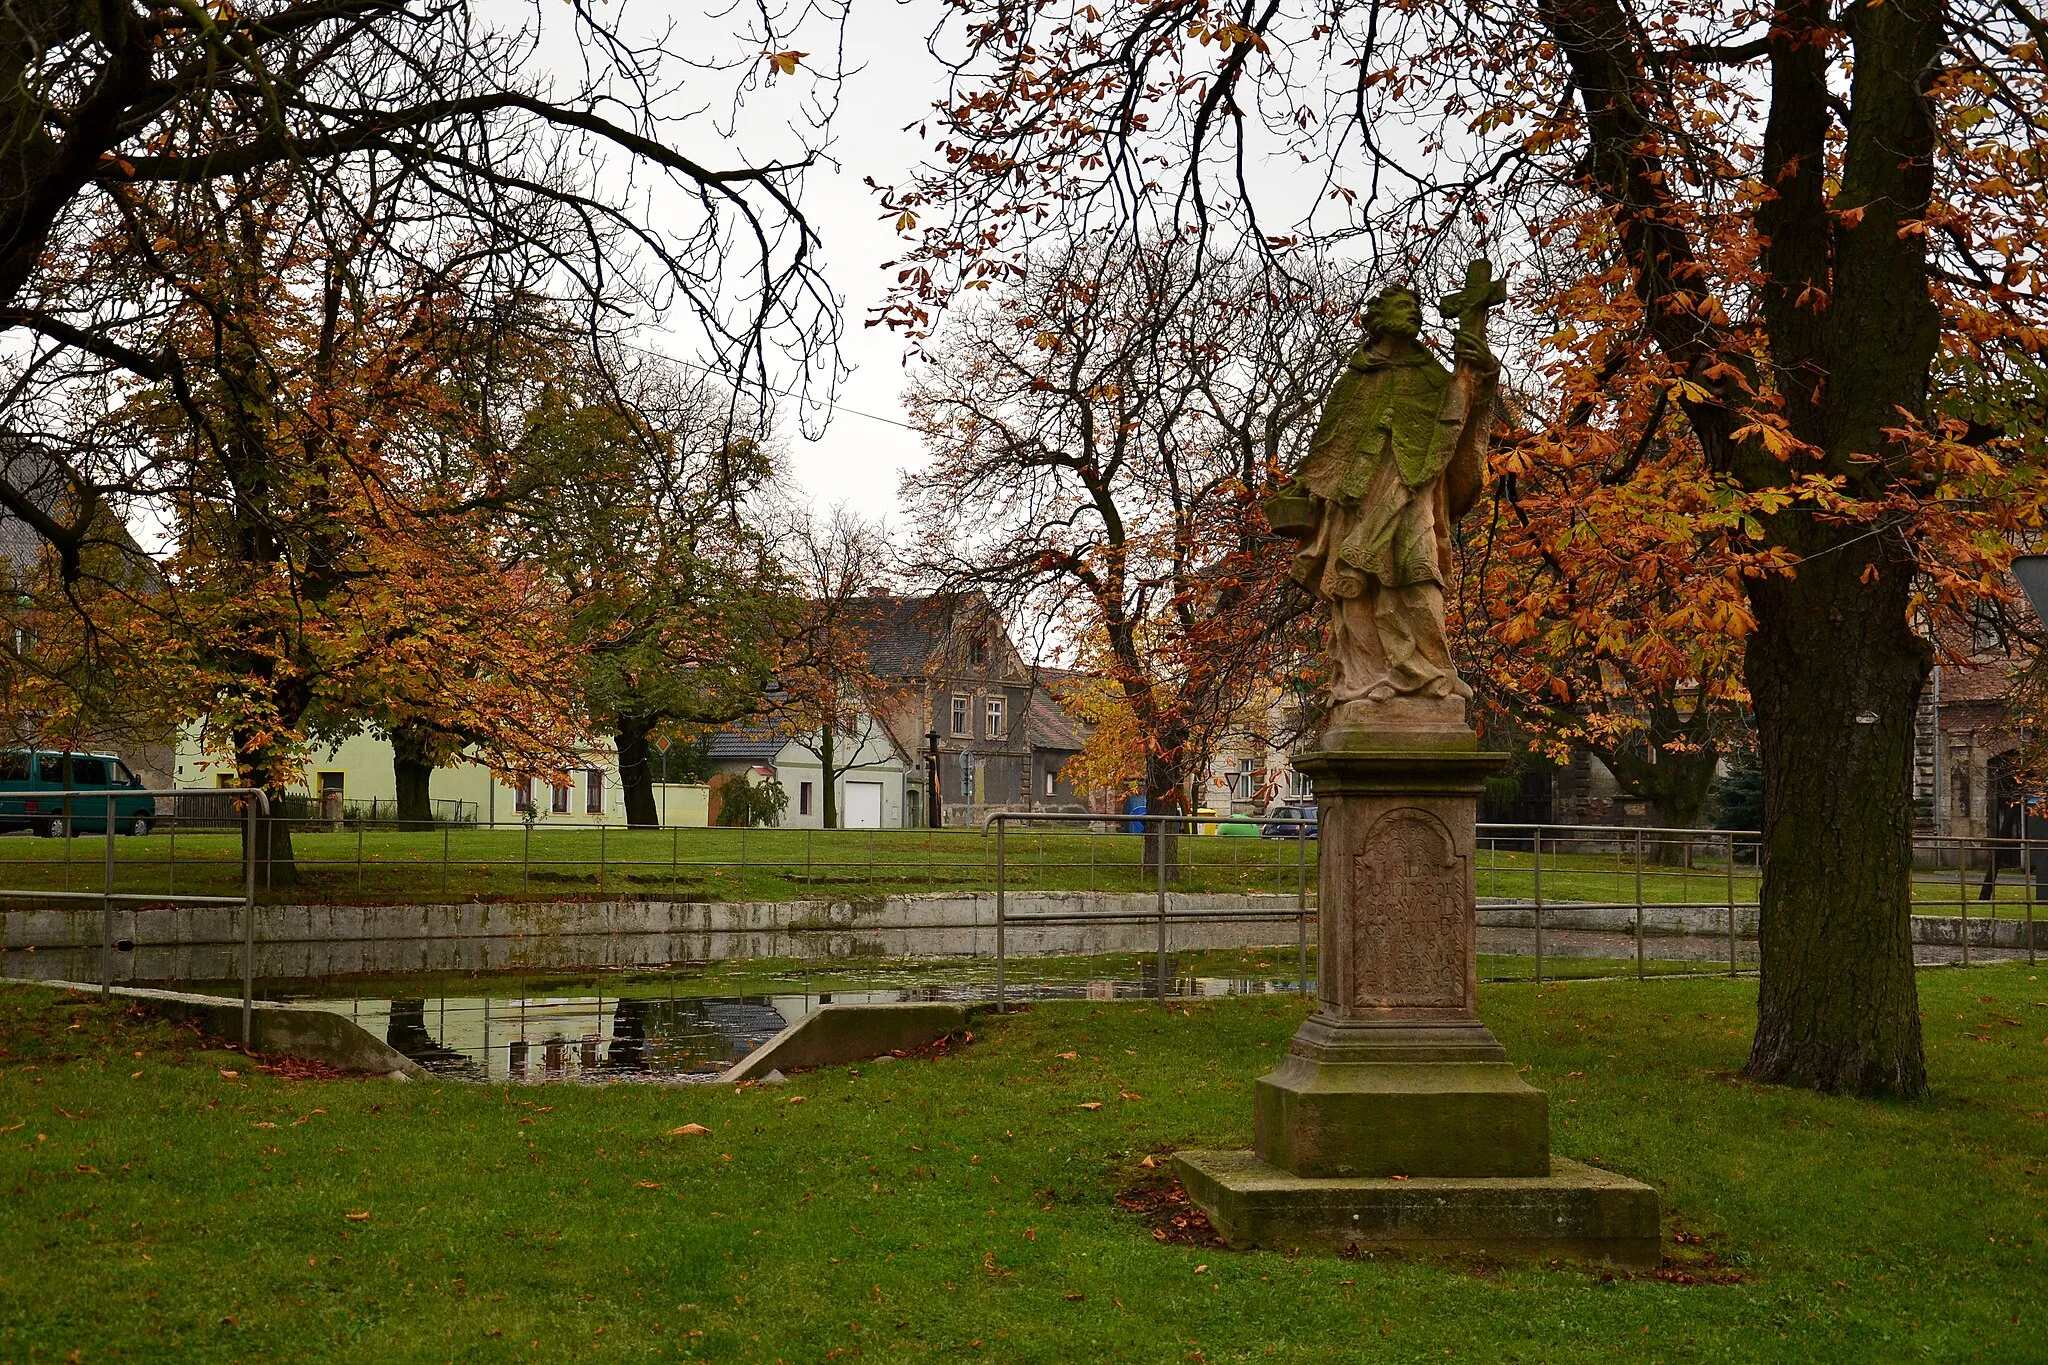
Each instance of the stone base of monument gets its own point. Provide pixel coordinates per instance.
(1576, 1211)
(1396, 1118)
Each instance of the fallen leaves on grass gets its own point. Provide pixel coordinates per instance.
(360, 1217)
(647, 1184)
(1174, 1218)
(1090, 1105)
(1148, 1163)
(228, 1075)
(689, 1130)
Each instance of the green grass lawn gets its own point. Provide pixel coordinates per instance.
(168, 1202)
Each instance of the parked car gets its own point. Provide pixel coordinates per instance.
(1291, 821)
(34, 783)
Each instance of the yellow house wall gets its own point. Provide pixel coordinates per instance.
(364, 760)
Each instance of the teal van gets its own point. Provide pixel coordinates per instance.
(33, 784)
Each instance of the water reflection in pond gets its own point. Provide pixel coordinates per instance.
(607, 1038)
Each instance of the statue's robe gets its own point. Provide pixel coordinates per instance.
(1397, 458)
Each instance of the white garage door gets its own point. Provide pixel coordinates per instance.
(863, 805)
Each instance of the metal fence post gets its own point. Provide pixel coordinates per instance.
(526, 859)
(1301, 898)
(360, 826)
(444, 860)
(675, 857)
(1639, 905)
(601, 829)
(107, 912)
(1159, 971)
(1002, 886)
(1536, 868)
(249, 921)
(1729, 884)
(2027, 878)
(1963, 899)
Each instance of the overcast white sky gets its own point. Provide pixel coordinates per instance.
(864, 449)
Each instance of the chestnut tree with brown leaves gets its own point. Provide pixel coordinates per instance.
(1763, 238)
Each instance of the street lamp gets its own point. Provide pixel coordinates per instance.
(934, 816)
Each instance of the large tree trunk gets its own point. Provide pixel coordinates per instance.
(1835, 673)
(1163, 796)
(826, 756)
(636, 775)
(413, 772)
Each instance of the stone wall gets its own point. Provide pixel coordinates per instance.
(306, 941)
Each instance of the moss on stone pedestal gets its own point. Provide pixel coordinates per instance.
(1429, 1119)
(1576, 1210)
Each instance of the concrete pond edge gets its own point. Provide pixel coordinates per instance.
(313, 1035)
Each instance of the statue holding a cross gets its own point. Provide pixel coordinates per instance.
(1398, 457)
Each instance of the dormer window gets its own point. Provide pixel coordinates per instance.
(977, 653)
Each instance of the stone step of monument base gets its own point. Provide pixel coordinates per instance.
(1577, 1211)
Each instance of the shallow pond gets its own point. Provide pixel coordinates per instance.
(572, 1035)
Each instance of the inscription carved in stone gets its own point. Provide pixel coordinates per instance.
(1410, 929)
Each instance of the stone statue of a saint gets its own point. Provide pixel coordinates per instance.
(1398, 457)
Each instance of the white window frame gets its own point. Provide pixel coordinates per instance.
(995, 717)
(961, 716)
(562, 798)
(593, 786)
(1052, 777)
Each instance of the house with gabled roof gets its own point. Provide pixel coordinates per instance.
(960, 697)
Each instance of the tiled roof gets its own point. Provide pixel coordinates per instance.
(35, 475)
(747, 743)
(905, 634)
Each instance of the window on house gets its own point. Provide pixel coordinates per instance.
(1984, 637)
(963, 721)
(562, 793)
(994, 717)
(977, 653)
(331, 784)
(593, 791)
(1052, 778)
(1300, 787)
(522, 795)
(803, 798)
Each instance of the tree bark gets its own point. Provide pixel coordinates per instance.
(1835, 673)
(825, 757)
(636, 776)
(413, 772)
(1163, 796)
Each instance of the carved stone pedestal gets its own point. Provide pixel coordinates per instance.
(1394, 1077)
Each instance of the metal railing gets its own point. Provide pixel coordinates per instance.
(1162, 832)
(1554, 900)
(74, 807)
